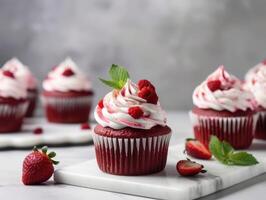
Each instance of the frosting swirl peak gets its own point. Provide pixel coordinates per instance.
(222, 91)
(114, 112)
(21, 72)
(66, 77)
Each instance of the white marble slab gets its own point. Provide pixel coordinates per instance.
(166, 184)
(53, 134)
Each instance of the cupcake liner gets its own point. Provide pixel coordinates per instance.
(11, 116)
(238, 131)
(131, 156)
(32, 98)
(67, 109)
(260, 132)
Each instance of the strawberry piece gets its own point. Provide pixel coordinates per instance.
(264, 62)
(135, 112)
(100, 104)
(148, 94)
(38, 131)
(214, 85)
(196, 149)
(145, 83)
(85, 126)
(38, 166)
(8, 74)
(189, 168)
(68, 72)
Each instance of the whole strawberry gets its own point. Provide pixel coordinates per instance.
(38, 166)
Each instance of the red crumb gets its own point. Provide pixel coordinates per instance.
(85, 126)
(8, 74)
(68, 72)
(38, 131)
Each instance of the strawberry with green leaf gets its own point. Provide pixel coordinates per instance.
(38, 166)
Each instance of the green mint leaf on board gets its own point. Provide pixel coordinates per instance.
(226, 154)
(242, 158)
(119, 76)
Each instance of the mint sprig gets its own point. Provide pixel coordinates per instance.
(119, 76)
(227, 155)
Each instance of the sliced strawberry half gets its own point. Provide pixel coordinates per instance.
(196, 149)
(189, 168)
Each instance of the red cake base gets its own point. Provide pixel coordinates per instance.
(260, 132)
(67, 107)
(32, 99)
(236, 128)
(12, 112)
(131, 151)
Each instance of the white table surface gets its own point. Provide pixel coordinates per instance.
(11, 164)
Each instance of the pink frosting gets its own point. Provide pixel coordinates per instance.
(75, 81)
(222, 91)
(11, 87)
(256, 83)
(21, 72)
(114, 114)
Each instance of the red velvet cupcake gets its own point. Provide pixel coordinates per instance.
(23, 73)
(13, 102)
(256, 83)
(67, 94)
(131, 137)
(225, 109)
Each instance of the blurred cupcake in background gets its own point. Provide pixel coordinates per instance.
(256, 83)
(23, 73)
(222, 107)
(67, 94)
(13, 102)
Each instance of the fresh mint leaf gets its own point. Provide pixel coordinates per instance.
(118, 73)
(227, 148)
(119, 76)
(242, 158)
(216, 148)
(226, 154)
(111, 83)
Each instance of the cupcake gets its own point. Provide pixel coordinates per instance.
(256, 83)
(23, 73)
(131, 137)
(67, 94)
(13, 102)
(222, 107)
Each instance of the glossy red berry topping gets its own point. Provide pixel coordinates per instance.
(214, 85)
(145, 83)
(8, 74)
(100, 104)
(68, 72)
(136, 112)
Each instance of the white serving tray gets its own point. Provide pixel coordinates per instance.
(53, 134)
(166, 184)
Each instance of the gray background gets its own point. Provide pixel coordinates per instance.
(174, 43)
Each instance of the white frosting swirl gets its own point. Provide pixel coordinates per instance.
(231, 96)
(114, 114)
(256, 82)
(56, 81)
(21, 72)
(11, 87)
